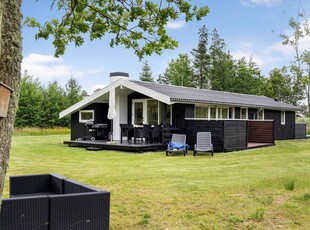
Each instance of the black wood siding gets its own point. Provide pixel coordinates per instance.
(235, 135)
(180, 112)
(282, 132)
(300, 130)
(215, 127)
(227, 135)
(100, 114)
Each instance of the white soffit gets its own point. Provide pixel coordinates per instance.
(121, 82)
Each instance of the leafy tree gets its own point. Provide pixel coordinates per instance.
(248, 79)
(201, 62)
(223, 69)
(53, 104)
(281, 86)
(139, 25)
(146, 74)
(179, 72)
(10, 74)
(73, 93)
(301, 69)
(29, 113)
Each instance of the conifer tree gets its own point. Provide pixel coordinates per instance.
(146, 74)
(201, 62)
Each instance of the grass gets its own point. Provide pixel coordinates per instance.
(152, 191)
(40, 131)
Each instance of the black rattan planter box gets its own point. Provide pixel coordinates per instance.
(54, 202)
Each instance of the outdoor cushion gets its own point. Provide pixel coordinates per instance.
(174, 145)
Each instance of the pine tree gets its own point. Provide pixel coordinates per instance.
(179, 72)
(146, 74)
(201, 62)
(223, 70)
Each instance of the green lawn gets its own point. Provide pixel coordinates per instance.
(237, 190)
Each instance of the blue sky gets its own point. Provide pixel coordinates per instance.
(249, 27)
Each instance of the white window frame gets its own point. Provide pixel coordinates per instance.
(283, 121)
(263, 114)
(233, 113)
(246, 114)
(220, 113)
(204, 106)
(86, 111)
(145, 118)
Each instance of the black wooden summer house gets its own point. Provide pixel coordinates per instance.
(236, 121)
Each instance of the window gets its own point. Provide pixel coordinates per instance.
(212, 113)
(223, 113)
(231, 112)
(152, 112)
(260, 114)
(201, 112)
(243, 113)
(86, 115)
(282, 117)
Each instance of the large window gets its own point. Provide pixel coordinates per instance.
(152, 112)
(86, 115)
(243, 113)
(149, 111)
(201, 112)
(212, 113)
(282, 117)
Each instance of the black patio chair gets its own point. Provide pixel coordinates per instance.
(126, 131)
(177, 144)
(143, 134)
(204, 143)
(156, 133)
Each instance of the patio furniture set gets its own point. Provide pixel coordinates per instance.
(54, 202)
(143, 133)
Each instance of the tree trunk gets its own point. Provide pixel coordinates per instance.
(10, 74)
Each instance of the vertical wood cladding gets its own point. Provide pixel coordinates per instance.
(226, 135)
(180, 112)
(260, 131)
(300, 130)
(282, 132)
(215, 127)
(100, 115)
(235, 135)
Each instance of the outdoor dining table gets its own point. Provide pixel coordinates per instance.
(129, 128)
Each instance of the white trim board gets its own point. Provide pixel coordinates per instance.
(121, 82)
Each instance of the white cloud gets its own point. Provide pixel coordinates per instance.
(48, 68)
(260, 2)
(175, 24)
(259, 60)
(39, 58)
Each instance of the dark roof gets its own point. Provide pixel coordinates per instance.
(194, 95)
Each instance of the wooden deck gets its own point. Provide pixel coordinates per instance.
(253, 145)
(116, 145)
